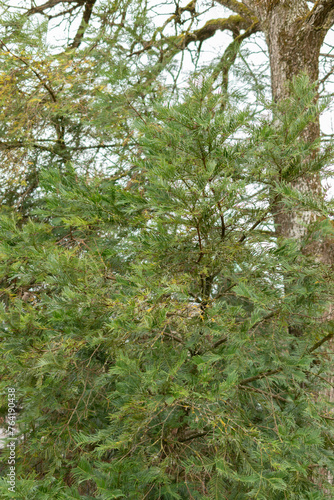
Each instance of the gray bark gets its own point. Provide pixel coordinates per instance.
(294, 36)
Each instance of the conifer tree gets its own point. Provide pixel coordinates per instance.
(165, 257)
(145, 325)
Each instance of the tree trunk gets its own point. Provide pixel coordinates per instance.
(294, 37)
(294, 43)
(294, 47)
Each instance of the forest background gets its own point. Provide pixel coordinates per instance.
(166, 248)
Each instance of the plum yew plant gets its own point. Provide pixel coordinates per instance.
(146, 324)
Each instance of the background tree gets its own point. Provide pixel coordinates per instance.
(158, 250)
(294, 33)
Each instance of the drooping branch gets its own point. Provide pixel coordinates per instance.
(264, 393)
(330, 72)
(193, 436)
(231, 53)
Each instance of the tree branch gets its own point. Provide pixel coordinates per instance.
(7, 146)
(233, 23)
(40, 78)
(176, 17)
(254, 226)
(219, 342)
(259, 376)
(322, 341)
(254, 389)
(83, 25)
(322, 15)
(177, 339)
(231, 53)
(239, 8)
(39, 9)
(268, 316)
(327, 76)
(193, 436)
(225, 339)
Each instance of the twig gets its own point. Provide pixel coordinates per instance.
(194, 436)
(173, 337)
(254, 389)
(259, 376)
(322, 341)
(45, 85)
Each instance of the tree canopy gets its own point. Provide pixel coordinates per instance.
(166, 253)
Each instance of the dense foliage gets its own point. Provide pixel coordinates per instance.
(145, 324)
(163, 339)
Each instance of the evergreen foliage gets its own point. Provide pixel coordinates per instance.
(145, 317)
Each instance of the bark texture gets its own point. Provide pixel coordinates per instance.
(294, 35)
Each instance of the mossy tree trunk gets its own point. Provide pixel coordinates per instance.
(294, 36)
